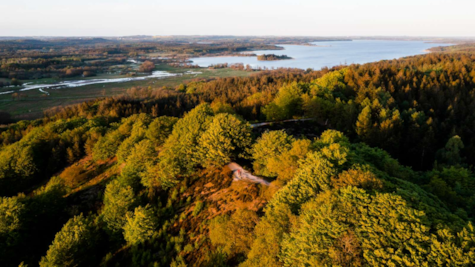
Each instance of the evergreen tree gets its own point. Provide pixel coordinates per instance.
(451, 153)
(364, 124)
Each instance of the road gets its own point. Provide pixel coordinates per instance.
(240, 174)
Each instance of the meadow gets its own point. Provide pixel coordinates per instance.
(33, 103)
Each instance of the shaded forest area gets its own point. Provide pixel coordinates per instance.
(381, 175)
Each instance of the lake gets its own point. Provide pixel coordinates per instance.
(328, 54)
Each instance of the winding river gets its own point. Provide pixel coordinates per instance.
(78, 83)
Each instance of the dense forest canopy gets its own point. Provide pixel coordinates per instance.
(364, 165)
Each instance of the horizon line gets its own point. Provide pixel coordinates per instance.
(222, 35)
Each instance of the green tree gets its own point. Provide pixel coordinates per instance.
(235, 233)
(11, 211)
(329, 137)
(75, 245)
(455, 186)
(451, 153)
(269, 233)
(160, 128)
(222, 107)
(163, 174)
(140, 155)
(131, 129)
(119, 198)
(332, 81)
(286, 104)
(227, 138)
(127, 145)
(350, 227)
(140, 225)
(269, 145)
(107, 146)
(285, 164)
(181, 147)
(358, 178)
(454, 249)
(364, 124)
(17, 163)
(313, 177)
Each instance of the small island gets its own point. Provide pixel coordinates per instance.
(269, 57)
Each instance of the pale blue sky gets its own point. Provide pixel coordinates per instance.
(244, 17)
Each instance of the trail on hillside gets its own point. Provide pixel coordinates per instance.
(240, 174)
(271, 122)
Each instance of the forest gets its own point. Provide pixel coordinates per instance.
(365, 165)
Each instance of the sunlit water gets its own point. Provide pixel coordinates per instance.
(328, 54)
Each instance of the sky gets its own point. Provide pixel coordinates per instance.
(445, 18)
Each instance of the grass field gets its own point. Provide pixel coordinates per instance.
(34, 102)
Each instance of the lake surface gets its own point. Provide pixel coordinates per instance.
(328, 54)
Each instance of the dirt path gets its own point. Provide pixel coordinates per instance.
(270, 122)
(241, 174)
